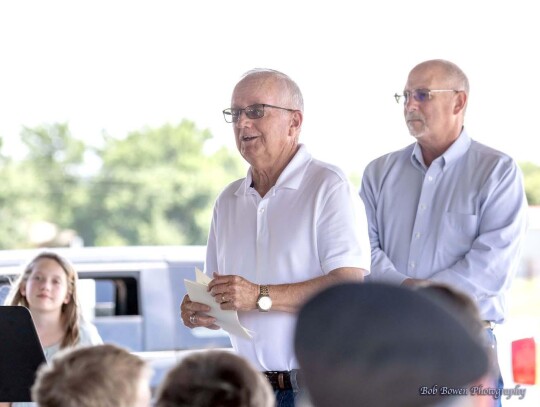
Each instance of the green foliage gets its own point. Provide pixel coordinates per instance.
(57, 160)
(356, 180)
(156, 186)
(531, 175)
(163, 178)
(21, 204)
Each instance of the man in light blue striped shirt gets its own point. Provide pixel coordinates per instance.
(445, 209)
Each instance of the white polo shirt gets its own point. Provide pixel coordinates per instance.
(310, 223)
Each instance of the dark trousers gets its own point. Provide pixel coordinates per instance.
(286, 398)
(496, 371)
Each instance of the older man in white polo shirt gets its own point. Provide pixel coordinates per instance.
(288, 229)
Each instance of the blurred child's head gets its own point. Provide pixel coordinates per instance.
(94, 376)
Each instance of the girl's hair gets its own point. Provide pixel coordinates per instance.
(70, 311)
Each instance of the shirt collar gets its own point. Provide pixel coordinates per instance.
(457, 149)
(451, 155)
(291, 177)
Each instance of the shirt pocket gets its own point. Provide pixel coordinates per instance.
(458, 233)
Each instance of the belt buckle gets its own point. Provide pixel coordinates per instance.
(281, 381)
(489, 325)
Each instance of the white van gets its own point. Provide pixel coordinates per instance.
(133, 296)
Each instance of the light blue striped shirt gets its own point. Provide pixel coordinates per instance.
(460, 221)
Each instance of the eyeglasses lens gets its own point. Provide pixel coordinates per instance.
(252, 112)
(421, 95)
(230, 115)
(255, 111)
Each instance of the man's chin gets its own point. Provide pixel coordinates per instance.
(417, 135)
(416, 129)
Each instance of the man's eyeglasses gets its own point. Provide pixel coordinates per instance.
(252, 112)
(420, 95)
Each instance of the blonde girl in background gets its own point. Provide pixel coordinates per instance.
(48, 288)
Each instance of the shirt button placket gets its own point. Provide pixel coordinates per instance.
(262, 221)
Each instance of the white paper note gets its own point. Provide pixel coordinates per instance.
(226, 319)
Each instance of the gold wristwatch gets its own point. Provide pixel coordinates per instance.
(264, 302)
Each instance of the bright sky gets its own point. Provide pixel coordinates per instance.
(115, 66)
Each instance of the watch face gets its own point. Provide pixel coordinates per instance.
(264, 303)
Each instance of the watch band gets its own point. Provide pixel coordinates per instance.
(264, 302)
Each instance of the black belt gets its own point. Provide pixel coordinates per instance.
(285, 380)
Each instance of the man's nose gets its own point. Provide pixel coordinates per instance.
(243, 120)
(410, 104)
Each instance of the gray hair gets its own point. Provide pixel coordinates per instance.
(454, 76)
(294, 93)
(454, 73)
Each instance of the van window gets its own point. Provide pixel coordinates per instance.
(4, 291)
(111, 296)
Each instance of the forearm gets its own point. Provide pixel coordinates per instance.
(238, 294)
(290, 297)
(382, 268)
(487, 279)
(489, 267)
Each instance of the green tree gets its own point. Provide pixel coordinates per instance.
(57, 159)
(157, 186)
(531, 176)
(43, 186)
(19, 205)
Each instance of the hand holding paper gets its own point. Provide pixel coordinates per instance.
(226, 319)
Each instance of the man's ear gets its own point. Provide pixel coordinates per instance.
(461, 102)
(297, 117)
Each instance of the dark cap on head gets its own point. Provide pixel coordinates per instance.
(377, 345)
